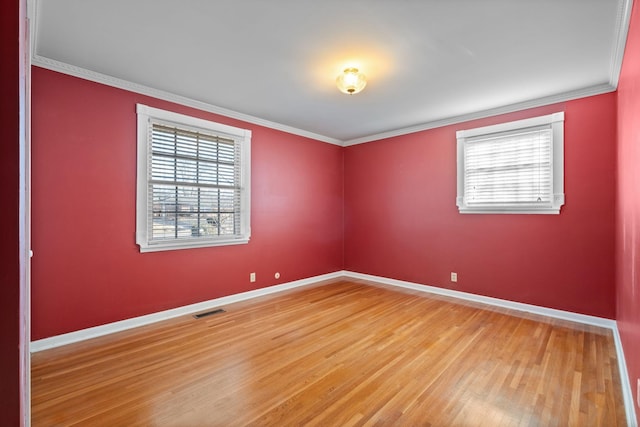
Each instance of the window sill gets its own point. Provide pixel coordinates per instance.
(171, 246)
(549, 211)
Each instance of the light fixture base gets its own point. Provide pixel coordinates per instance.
(351, 81)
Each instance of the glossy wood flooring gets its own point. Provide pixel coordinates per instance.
(340, 354)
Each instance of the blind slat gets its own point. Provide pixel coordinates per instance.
(512, 168)
(194, 184)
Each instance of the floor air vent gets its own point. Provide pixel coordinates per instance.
(208, 313)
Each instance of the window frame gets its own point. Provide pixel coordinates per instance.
(146, 115)
(556, 123)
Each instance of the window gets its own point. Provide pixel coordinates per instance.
(515, 167)
(193, 182)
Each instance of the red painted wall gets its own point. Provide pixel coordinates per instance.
(628, 207)
(401, 219)
(13, 348)
(87, 269)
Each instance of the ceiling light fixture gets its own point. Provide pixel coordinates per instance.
(351, 81)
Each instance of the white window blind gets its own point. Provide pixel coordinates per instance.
(194, 186)
(514, 167)
(193, 182)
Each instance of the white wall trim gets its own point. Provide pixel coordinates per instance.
(623, 18)
(72, 70)
(465, 138)
(497, 302)
(533, 103)
(147, 118)
(627, 394)
(93, 76)
(529, 308)
(122, 325)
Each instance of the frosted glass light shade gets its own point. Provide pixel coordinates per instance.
(351, 81)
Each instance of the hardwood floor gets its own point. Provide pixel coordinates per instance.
(342, 354)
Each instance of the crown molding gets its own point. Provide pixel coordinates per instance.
(83, 73)
(72, 70)
(533, 103)
(623, 17)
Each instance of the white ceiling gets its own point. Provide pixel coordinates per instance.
(275, 62)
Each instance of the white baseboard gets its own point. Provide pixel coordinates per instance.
(627, 394)
(529, 308)
(122, 325)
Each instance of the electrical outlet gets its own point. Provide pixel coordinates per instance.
(252, 277)
(454, 277)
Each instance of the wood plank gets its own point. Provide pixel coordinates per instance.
(348, 353)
